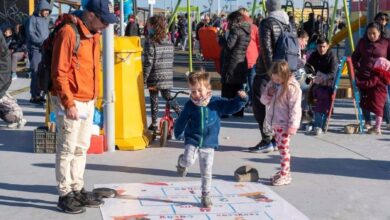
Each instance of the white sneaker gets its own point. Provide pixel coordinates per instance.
(19, 124)
(14, 76)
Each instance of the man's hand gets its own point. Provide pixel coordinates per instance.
(72, 113)
(242, 94)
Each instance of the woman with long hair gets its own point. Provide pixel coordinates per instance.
(158, 65)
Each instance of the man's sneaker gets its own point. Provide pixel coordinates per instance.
(36, 101)
(87, 199)
(14, 76)
(181, 171)
(206, 202)
(278, 179)
(262, 147)
(69, 204)
(19, 124)
(317, 131)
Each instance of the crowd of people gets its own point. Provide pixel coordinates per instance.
(284, 89)
(282, 96)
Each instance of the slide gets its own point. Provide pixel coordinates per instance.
(341, 35)
(208, 41)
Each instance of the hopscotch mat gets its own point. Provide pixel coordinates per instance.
(181, 201)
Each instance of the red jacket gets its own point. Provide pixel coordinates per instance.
(253, 50)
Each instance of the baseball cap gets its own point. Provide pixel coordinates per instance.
(102, 9)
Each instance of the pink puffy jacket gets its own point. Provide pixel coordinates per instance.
(285, 111)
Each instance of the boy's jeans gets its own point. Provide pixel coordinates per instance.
(206, 158)
(319, 120)
(73, 139)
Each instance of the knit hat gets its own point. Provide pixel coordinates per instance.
(273, 5)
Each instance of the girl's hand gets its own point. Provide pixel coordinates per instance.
(152, 88)
(271, 91)
(291, 131)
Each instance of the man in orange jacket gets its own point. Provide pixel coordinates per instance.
(75, 88)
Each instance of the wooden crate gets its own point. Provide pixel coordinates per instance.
(44, 141)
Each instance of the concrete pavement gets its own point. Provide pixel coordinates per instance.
(335, 176)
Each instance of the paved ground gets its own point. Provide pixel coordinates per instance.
(335, 176)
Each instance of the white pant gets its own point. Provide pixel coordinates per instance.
(206, 158)
(73, 140)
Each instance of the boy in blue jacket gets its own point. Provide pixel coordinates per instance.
(199, 122)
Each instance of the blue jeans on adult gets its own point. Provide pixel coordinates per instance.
(366, 116)
(35, 57)
(249, 86)
(319, 119)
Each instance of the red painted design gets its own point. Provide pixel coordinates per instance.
(157, 184)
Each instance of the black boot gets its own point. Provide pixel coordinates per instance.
(69, 204)
(87, 198)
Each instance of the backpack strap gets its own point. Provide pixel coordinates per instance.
(76, 31)
(288, 29)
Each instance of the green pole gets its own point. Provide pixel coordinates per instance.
(189, 42)
(349, 26)
(264, 7)
(330, 33)
(254, 8)
(174, 14)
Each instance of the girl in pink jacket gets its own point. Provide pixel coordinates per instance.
(282, 98)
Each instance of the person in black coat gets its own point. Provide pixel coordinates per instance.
(234, 63)
(132, 27)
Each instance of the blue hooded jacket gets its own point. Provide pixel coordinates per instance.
(201, 125)
(37, 28)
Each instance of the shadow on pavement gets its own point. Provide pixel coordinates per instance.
(138, 170)
(29, 188)
(370, 169)
(16, 140)
(27, 203)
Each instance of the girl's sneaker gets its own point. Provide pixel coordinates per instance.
(367, 126)
(374, 131)
(278, 179)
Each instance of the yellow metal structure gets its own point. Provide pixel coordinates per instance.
(341, 35)
(130, 113)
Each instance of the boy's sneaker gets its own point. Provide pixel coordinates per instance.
(181, 171)
(206, 202)
(262, 147)
(87, 199)
(69, 204)
(19, 124)
(278, 179)
(315, 131)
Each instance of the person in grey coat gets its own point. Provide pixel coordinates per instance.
(37, 30)
(158, 66)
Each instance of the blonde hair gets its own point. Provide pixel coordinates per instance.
(199, 77)
(281, 69)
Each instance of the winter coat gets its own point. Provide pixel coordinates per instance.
(18, 43)
(366, 53)
(373, 92)
(158, 64)
(198, 27)
(283, 111)
(201, 124)
(323, 98)
(326, 64)
(373, 89)
(5, 66)
(132, 29)
(37, 29)
(252, 53)
(234, 65)
(75, 78)
(309, 27)
(269, 34)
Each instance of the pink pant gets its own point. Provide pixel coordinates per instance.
(282, 142)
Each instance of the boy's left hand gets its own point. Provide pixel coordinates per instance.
(242, 94)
